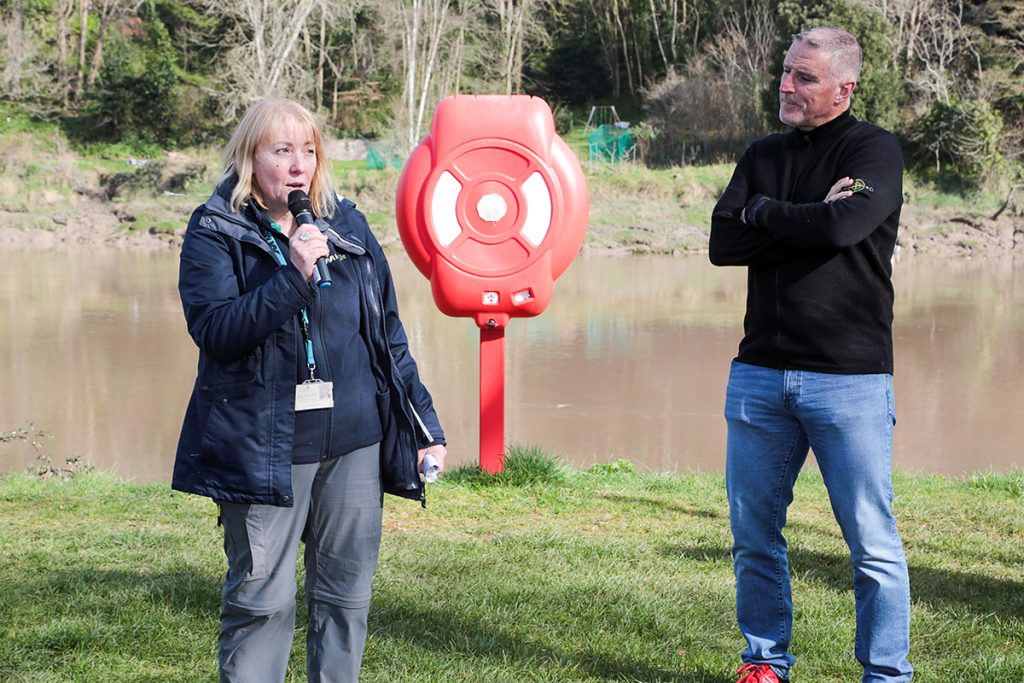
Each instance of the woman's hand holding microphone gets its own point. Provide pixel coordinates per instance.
(306, 245)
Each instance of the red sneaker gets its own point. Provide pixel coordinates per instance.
(757, 673)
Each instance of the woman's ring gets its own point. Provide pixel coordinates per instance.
(304, 236)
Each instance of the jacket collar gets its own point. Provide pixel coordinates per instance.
(826, 131)
(247, 225)
(240, 226)
(339, 232)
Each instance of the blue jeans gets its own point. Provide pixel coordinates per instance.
(774, 417)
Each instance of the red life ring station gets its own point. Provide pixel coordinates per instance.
(492, 207)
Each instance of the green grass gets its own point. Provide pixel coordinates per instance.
(28, 221)
(544, 573)
(925, 194)
(341, 167)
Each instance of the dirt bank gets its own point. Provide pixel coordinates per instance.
(91, 220)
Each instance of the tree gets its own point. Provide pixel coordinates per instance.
(570, 71)
(938, 41)
(15, 49)
(361, 81)
(134, 98)
(83, 39)
(264, 60)
(616, 22)
(433, 35)
(518, 28)
(63, 11)
(711, 112)
(962, 139)
(1001, 49)
(109, 12)
(26, 59)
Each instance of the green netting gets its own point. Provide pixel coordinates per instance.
(608, 142)
(379, 156)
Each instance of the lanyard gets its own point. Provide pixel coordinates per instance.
(304, 313)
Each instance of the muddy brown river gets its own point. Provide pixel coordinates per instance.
(629, 361)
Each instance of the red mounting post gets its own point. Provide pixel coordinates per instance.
(492, 399)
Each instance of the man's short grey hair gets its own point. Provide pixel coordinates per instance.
(843, 50)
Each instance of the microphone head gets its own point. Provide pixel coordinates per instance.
(298, 202)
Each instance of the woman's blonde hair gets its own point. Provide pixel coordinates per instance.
(251, 132)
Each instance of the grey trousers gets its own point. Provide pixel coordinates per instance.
(337, 514)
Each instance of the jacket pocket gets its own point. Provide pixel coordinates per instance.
(226, 391)
(232, 424)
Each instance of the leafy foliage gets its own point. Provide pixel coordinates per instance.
(136, 99)
(962, 139)
(703, 74)
(33, 437)
(570, 73)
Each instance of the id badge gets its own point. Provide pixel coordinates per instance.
(314, 395)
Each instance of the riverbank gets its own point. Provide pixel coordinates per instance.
(549, 574)
(51, 197)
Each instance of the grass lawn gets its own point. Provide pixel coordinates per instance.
(543, 574)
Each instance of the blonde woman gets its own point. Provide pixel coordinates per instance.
(307, 406)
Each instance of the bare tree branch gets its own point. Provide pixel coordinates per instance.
(265, 61)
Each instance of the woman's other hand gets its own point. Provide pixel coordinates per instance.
(437, 451)
(838, 190)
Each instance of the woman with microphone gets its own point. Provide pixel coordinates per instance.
(307, 406)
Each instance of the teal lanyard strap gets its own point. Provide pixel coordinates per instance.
(304, 313)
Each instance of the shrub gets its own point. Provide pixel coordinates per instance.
(699, 118)
(717, 107)
(135, 99)
(960, 140)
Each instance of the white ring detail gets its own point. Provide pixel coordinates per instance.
(442, 209)
(538, 205)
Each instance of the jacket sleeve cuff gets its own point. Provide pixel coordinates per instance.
(752, 207)
(304, 289)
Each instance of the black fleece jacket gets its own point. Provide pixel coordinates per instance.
(819, 289)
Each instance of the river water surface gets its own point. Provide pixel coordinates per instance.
(629, 361)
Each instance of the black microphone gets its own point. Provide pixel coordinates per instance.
(302, 209)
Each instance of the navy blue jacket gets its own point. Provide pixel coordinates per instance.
(241, 308)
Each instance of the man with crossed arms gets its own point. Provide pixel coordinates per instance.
(813, 213)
